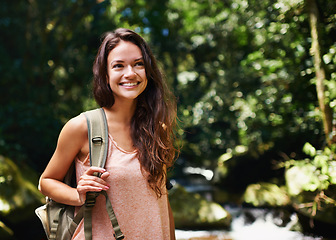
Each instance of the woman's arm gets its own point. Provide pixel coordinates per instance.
(171, 223)
(170, 212)
(72, 142)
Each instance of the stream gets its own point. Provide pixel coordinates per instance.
(247, 223)
(252, 224)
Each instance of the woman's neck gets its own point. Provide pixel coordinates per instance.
(121, 112)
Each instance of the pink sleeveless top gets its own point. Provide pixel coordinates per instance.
(141, 215)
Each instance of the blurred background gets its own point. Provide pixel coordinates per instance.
(256, 88)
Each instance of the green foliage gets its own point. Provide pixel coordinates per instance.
(312, 182)
(316, 174)
(238, 75)
(241, 70)
(46, 70)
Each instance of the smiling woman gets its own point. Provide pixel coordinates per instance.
(133, 94)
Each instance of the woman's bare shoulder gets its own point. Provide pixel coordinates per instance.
(75, 129)
(77, 123)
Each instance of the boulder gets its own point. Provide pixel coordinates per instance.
(18, 199)
(192, 211)
(266, 194)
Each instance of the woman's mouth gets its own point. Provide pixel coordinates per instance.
(129, 84)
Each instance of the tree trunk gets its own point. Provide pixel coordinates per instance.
(315, 51)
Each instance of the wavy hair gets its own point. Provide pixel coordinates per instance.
(154, 120)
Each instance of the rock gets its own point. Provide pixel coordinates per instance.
(192, 211)
(5, 232)
(266, 194)
(18, 199)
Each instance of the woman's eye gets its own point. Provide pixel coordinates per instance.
(117, 66)
(139, 64)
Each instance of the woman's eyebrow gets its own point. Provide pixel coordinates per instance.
(116, 61)
(138, 59)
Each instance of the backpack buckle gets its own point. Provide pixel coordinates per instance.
(97, 140)
(90, 203)
(118, 237)
(90, 199)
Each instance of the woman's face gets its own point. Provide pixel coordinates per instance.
(126, 71)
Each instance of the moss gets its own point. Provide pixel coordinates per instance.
(19, 194)
(266, 194)
(192, 211)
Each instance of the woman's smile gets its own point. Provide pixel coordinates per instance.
(129, 84)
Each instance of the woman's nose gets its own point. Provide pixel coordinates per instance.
(130, 72)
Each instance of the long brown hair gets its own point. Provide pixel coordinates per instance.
(154, 120)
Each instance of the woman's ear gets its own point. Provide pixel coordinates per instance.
(107, 77)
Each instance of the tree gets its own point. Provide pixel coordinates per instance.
(320, 72)
(47, 51)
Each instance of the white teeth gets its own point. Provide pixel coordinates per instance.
(129, 84)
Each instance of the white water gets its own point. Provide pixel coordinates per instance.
(263, 228)
(259, 233)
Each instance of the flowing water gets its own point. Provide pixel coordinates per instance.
(256, 224)
(247, 223)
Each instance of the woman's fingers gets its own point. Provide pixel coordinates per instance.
(105, 175)
(90, 183)
(87, 180)
(92, 170)
(87, 188)
(93, 181)
(101, 171)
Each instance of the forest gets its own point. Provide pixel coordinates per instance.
(255, 83)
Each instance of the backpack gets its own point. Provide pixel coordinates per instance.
(58, 220)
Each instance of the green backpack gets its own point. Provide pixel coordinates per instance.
(58, 220)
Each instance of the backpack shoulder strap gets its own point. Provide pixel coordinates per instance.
(98, 144)
(98, 136)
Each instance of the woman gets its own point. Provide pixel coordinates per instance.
(141, 117)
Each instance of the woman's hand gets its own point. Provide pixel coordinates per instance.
(90, 183)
